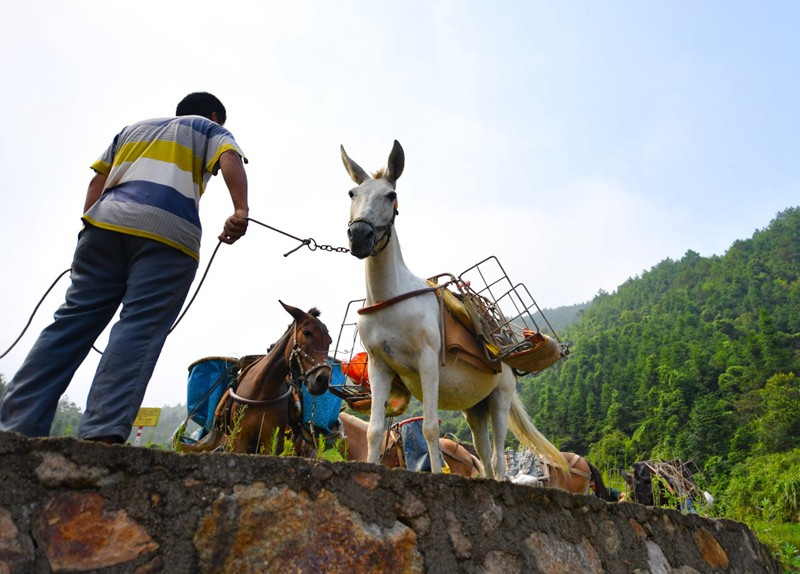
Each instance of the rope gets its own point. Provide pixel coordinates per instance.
(310, 243)
(35, 309)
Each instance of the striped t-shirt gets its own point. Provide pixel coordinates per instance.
(156, 172)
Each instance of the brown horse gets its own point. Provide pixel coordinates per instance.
(460, 460)
(583, 477)
(268, 396)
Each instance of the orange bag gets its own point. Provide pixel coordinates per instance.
(356, 370)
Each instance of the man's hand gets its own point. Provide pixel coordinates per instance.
(235, 227)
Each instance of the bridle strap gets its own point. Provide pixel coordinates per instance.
(263, 402)
(297, 354)
(392, 300)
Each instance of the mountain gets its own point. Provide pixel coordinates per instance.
(558, 318)
(695, 359)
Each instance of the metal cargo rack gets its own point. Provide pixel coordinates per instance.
(507, 313)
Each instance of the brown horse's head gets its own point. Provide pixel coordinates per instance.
(307, 355)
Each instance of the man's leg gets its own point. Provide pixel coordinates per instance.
(97, 287)
(159, 279)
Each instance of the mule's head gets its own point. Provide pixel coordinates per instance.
(373, 204)
(308, 355)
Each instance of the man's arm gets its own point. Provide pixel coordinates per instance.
(236, 179)
(95, 190)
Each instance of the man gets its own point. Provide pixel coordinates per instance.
(139, 249)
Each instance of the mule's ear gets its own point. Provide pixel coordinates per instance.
(293, 311)
(357, 174)
(626, 477)
(397, 161)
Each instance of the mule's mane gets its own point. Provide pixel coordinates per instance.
(380, 174)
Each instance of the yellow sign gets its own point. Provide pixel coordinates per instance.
(147, 417)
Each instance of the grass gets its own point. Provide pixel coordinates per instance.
(783, 541)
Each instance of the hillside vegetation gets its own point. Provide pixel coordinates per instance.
(696, 359)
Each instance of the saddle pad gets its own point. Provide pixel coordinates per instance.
(456, 307)
(461, 345)
(208, 380)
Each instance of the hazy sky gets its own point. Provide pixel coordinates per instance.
(581, 143)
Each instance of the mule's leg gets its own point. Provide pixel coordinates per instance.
(429, 379)
(380, 381)
(499, 407)
(478, 422)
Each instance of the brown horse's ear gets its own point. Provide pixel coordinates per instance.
(357, 174)
(293, 311)
(397, 161)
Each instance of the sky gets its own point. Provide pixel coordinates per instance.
(581, 143)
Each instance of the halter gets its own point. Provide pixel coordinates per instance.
(387, 235)
(297, 356)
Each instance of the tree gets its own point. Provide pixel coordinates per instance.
(67, 418)
(778, 427)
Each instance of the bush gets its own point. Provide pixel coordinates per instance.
(765, 488)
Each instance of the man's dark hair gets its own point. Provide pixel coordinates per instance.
(201, 104)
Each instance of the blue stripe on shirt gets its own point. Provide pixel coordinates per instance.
(156, 195)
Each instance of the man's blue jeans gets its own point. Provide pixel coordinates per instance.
(150, 280)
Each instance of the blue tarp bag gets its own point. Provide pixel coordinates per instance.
(326, 406)
(208, 379)
(415, 449)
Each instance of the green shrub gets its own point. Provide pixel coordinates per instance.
(765, 488)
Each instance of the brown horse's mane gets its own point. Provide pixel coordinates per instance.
(314, 311)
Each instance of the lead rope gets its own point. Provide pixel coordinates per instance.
(310, 243)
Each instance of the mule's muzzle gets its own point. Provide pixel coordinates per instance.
(317, 381)
(362, 239)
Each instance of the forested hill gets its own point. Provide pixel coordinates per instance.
(559, 318)
(695, 359)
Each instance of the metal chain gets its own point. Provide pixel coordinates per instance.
(311, 243)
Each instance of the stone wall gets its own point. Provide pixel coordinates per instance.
(71, 506)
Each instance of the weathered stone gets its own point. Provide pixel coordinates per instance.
(279, 530)
(610, 534)
(502, 563)
(555, 555)
(86, 504)
(490, 515)
(11, 551)
(369, 480)
(710, 549)
(55, 470)
(656, 560)
(638, 531)
(410, 507)
(461, 544)
(76, 532)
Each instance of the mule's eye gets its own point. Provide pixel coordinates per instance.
(351, 193)
(306, 333)
(391, 195)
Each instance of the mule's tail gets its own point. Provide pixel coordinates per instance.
(599, 486)
(521, 427)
